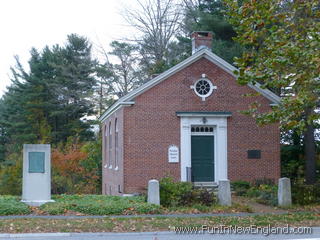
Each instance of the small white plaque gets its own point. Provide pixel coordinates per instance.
(173, 154)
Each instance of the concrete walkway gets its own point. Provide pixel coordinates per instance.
(145, 216)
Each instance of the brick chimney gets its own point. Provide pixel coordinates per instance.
(201, 40)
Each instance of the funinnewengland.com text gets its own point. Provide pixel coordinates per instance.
(233, 229)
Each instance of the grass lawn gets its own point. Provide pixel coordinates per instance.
(99, 205)
(104, 205)
(151, 224)
(11, 205)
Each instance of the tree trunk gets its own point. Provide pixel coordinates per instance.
(310, 155)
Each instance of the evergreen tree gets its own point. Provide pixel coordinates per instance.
(3, 134)
(72, 86)
(208, 15)
(51, 102)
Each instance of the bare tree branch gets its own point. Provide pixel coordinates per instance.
(157, 21)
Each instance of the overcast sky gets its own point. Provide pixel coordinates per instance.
(36, 23)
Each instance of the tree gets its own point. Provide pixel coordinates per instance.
(157, 21)
(72, 86)
(125, 73)
(208, 15)
(282, 51)
(103, 93)
(49, 103)
(118, 77)
(3, 134)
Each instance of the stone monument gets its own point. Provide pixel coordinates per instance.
(36, 182)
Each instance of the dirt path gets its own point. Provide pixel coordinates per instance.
(257, 207)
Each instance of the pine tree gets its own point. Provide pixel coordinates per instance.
(208, 15)
(51, 102)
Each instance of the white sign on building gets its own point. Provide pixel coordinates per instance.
(173, 154)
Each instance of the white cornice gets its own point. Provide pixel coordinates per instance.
(114, 108)
(204, 114)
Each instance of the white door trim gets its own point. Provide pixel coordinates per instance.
(220, 144)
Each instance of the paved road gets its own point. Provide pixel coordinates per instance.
(155, 236)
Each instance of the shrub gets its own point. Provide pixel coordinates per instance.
(171, 192)
(240, 187)
(182, 194)
(197, 196)
(76, 168)
(263, 181)
(207, 198)
(265, 194)
(305, 194)
(292, 159)
(11, 175)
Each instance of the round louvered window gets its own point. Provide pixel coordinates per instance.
(203, 88)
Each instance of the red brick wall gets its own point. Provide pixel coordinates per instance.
(112, 179)
(151, 125)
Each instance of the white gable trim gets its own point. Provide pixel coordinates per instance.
(199, 54)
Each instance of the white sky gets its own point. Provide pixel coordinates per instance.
(35, 23)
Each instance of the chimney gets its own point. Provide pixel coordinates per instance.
(201, 40)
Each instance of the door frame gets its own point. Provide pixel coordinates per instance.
(219, 122)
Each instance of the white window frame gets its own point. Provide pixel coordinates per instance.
(212, 87)
(106, 141)
(110, 145)
(116, 141)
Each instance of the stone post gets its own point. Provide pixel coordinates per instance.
(36, 182)
(153, 192)
(284, 192)
(224, 193)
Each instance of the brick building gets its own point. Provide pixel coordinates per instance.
(186, 123)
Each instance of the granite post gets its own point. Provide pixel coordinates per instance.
(224, 193)
(284, 192)
(154, 192)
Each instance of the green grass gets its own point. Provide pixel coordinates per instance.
(215, 208)
(11, 205)
(105, 205)
(99, 205)
(147, 224)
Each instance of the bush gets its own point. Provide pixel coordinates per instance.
(76, 168)
(174, 194)
(171, 192)
(292, 159)
(11, 175)
(305, 194)
(197, 196)
(240, 187)
(11, 205)
(263, 181)
(265, 194)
